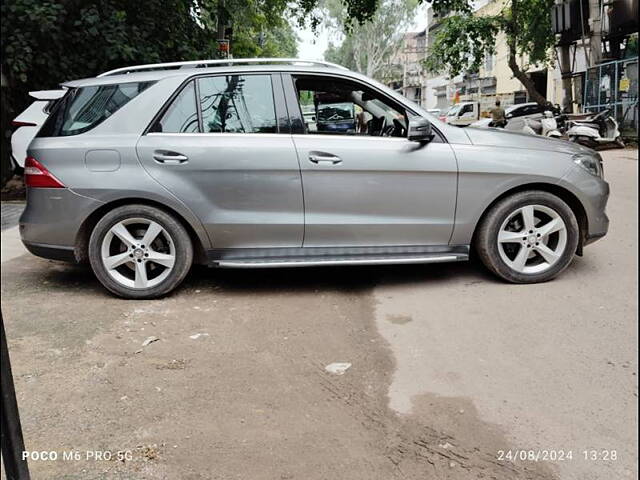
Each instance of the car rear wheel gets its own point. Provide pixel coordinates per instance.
(140, 252)
(528, 237)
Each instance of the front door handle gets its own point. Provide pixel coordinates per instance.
(168, 157)
(323, 158)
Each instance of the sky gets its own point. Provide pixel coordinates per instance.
(312, 46)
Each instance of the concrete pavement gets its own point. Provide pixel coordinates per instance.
(451, 369)
(553, 365)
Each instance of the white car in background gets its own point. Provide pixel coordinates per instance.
(515, 116)
(28, 123)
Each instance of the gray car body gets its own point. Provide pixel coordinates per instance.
(259, 193)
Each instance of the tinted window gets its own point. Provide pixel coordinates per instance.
(237, 104)
(81, 109)
(181, 116)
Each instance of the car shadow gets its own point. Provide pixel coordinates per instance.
(53, 276)
(347, 278)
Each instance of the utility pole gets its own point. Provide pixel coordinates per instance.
(566, 75)
(223, 44)
(595, 22)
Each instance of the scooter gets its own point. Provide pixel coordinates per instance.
(546, 126)
(550, 126)
(597, 130)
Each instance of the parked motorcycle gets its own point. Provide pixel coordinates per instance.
(596, 130)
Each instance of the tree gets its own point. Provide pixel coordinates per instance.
(47, 42)
(464, 40)
(368, 46)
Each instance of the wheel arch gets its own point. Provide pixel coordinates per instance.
(564, 194)
(84, 232)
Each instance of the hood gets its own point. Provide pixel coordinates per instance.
(495, 137)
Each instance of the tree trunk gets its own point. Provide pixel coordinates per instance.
(529, 85)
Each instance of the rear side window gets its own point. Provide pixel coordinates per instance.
(237, 104)
(82, 109)
(182, 115)
(221, 104)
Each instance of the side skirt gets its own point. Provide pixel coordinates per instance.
(332, 256)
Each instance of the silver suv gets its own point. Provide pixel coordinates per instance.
(145, 170)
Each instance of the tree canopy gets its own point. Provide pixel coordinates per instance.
(367, 47)
(47, 42)
(464, 39)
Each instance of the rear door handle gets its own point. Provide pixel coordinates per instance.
(323, 158)
(168, 157)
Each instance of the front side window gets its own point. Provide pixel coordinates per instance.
(82, 109)
(341, 107)
(237, 104)
(466, 109)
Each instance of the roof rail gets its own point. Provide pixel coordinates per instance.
(221, 62)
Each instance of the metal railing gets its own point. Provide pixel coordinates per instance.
(220, 62)
(614, 85)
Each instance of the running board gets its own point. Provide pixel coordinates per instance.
(326, 261)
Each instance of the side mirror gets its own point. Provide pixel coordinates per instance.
(509, 115)
(419, 130)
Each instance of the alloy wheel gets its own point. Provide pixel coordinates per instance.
(138, 253)
(532, 239)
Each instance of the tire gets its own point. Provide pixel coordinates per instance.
(502, 240)
(129, 268)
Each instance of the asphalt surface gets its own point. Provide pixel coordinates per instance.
(452, 371)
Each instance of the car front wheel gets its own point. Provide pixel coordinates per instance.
(140, 252)
(528, 237)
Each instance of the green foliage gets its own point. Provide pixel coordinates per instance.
(47, 42)
(367, 47)
(462, 43)
(361, 11)
(528, 25)
(464, 40)
(249, 41)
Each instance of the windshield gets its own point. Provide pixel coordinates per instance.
(453, 110)
(335, 111)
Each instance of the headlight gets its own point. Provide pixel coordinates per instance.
(591, 163)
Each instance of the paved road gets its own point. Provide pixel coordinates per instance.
(448, 368)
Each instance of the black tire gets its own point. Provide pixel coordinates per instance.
(486, 238)
(175, 229)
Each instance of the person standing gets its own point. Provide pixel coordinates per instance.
(498, 116)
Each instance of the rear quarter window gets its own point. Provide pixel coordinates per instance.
(82, 109)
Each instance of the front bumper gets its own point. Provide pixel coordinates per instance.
(593, 193)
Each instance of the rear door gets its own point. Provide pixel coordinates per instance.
(222, 146)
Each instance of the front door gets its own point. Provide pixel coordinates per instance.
(221, 147)
(370, 186)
